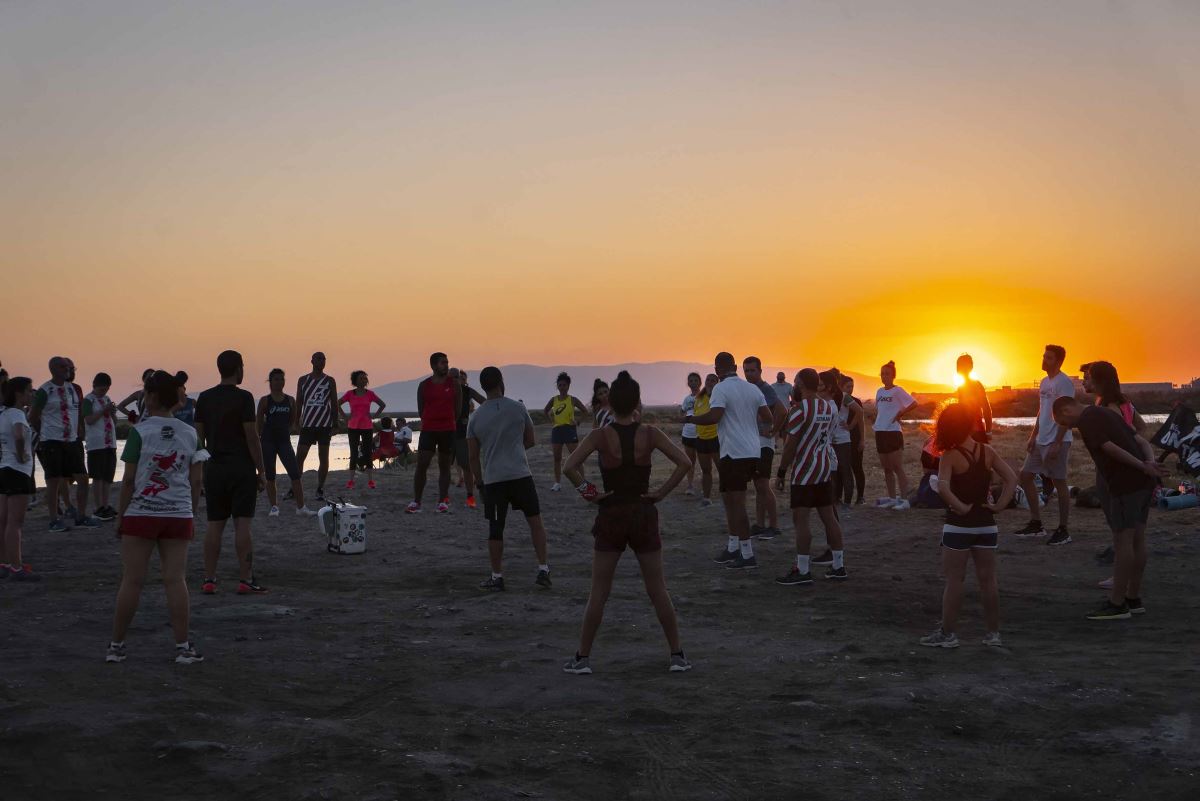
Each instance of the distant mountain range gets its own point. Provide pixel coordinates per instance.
(663, 383)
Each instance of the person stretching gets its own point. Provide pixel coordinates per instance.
(561, 411)
(627, 517)
(964, 482)
(891, 404)
(360, 429)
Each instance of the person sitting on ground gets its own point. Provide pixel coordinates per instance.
(385, 442)
(404, 438)
(627, 516)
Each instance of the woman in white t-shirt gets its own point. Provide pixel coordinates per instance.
(891, 404)
(16, 476)
(159, 493)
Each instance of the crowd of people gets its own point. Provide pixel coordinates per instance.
(223, 446)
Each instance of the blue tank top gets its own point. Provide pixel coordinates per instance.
(277, 422)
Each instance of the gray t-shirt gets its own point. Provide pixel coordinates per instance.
(499, 425)
(783, 391)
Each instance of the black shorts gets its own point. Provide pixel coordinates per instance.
(735, 474)
(762, 468)
(14, 482)
(564, 435)
(690, 442)
(230, 490)
(462, 456)
(889, 441)
(519, 493)
(61, 459)
(315, 435)
(708, 445)
(441, 441)
(812, 496)
(102, 464)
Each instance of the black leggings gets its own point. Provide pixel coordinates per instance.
(843, 477)
(360, 447)
(860, 478)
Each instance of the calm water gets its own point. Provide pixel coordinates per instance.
(1016, 422)
(339, 459)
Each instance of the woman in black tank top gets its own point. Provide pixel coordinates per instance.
(627, 516)
(970, 532)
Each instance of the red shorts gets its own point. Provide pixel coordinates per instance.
(157, 528)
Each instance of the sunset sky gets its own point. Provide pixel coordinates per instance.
(819, 183)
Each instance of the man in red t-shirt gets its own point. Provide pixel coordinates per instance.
(438, 400)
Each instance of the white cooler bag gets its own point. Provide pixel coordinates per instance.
(346, 527)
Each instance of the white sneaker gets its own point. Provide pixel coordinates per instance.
(901, 505)
(993, 639)
(1106, 584)
(556, 487)
(304, 511)
(690, 490)
(274, 512)
(885, 503)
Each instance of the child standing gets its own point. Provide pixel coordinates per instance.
(100, 437)
(970, 532)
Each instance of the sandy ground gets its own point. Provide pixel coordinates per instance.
(390, 676)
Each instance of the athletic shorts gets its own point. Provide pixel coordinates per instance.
(964, 538)
(315, 435)
(230, 490)
(14, 482)
(1125, 511)
(627, 525)
(889, 441)
(708, 445)
(440, 441)
(690, 442)
(157, 528)
(735, 474)
(462, 456)
(1039, 461)
(518, 493)
(61, 459)
(762, 469)
(102, 464)
(812, 496)
(564, 435)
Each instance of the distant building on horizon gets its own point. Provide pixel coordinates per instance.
(1147, 386)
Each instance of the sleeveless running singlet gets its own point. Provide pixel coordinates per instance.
(438, 412)
(277, 420)
(628, 481)
(703, 404)
(971, 487)
(562, 411)
(315, 411)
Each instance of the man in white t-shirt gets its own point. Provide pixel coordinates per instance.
(1049, 449)
(737, 408)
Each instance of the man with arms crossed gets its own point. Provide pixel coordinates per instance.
(737, 408)
(498, 434)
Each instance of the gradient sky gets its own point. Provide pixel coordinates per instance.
(819, 183)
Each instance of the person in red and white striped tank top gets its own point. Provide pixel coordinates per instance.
(810, 456)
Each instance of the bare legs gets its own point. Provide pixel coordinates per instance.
(604, 567)
(323, 458)
(893, 473)
(135, 558)
(706, 468)
(12, 518)
(1060, 489)
(765, 508)
(735, 514)
(1129, 564)
(691, 455)
(241, 541)
(833, 529)
(537, 533)
(954, 565)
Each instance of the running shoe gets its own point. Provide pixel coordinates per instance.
(769, 533)
(274, 512)
(1106, 584)
(690, 491)
(580, 666)
(1060, 537)
(940, 639)
(209, 586)
(1110, 611)
(250, 587)
(116, 653)
(885, 502)
(413, 508)
(992, 639)
(25, 574)
(756, 529)
(471, 502)
(742, 563)
(901, 505)
(443, 506)
(371, 484)
(320, 493)
(837, 573)
(794, 577)
(859, 501)
(187, 656)
(304, 511)
(680, 663)
(1135, 606)
(724, 556)
(290, 495)
(495, 583)
(350, 484)
(705, 502)
(87, 521)
(105, 514)
(1033, 528)
(824, 559)
(543, 579)
(57, 527)
(555, 487)
(70, 513)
